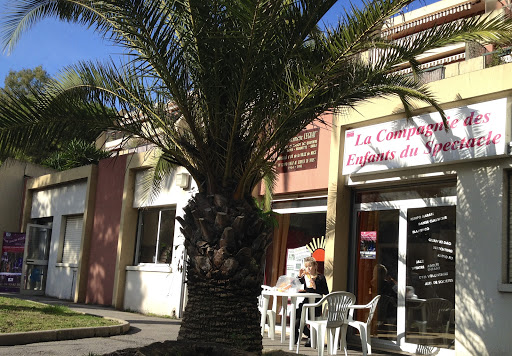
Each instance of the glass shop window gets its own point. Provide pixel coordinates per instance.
(405, 242)
(430, 293)
(305, 237)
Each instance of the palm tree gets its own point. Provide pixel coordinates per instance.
(220, 87)
(75, 153)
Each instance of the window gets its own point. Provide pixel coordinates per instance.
(155, 235)
(72, 239)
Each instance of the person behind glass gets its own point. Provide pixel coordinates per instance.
(314, 282)
(382, 283)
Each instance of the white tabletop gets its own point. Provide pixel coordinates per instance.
(291, 294)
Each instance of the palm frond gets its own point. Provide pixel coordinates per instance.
(160, 170)
(222, 86)
(23, 118)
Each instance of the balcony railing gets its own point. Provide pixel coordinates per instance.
(428, 75)
(432, 74)
(498, 57)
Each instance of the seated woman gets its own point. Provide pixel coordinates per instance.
(314, 283)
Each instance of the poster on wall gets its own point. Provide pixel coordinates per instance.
(431, 252)
(367, 245)
(317, 248)
(12, 261)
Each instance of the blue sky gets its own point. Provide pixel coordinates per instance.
(55, 44)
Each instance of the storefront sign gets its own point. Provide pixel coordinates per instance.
(12, 261)
(475, 131)
(301, 153)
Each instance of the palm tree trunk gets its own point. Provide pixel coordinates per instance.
(226, 242)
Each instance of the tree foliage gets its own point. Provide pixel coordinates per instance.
(243, 76)
(21, 90)
(25, 81)
(21, 84)
(75, 153)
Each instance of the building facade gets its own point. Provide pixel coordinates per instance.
(93, 237)
(422, 214)
(300, 201)
(392, 206)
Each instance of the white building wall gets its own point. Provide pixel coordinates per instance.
(57, 203)
(483, 309)
(158, 288)
(153, 289)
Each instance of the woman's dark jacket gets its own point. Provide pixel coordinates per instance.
(321, 288)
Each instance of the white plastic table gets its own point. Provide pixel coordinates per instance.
(284, 298)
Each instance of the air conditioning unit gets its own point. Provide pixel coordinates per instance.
(183, 180)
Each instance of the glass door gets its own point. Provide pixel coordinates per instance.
(405, 252)
(35, 265)
(376, 265)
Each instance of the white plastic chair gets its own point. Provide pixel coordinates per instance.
(366, 340)
(335, 315)
(271, 314)
(451, 322)
(431, 311)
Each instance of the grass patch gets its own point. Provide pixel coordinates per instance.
(18, 315)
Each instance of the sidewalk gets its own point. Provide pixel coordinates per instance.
(144, 331)
(276, 344)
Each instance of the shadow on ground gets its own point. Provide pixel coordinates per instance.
(175, 348)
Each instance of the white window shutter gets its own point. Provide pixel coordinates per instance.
(72, 239)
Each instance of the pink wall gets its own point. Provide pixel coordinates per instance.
(310, 179)
(105, 232)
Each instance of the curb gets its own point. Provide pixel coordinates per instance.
(30, 337)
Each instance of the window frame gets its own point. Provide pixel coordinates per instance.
(140, 231)
(506, 285)
(62, 245)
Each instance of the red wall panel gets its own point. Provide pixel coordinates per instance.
(105, 232)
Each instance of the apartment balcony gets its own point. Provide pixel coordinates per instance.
(462, 63)
(498, 57)
(115, 141)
